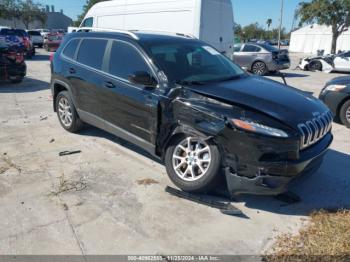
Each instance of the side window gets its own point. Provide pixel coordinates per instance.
(88, 22)
(91, 52)
(251, 48)
(69, 50)
(126, 60)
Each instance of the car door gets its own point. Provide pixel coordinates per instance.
(85, 76)
(247, 55)
(130, 110)
(342, 62)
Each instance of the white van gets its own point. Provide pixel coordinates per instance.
(208, 20)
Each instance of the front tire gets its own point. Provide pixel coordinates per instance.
(315, 66)
(259, 68)
(193, 164)
(344, 114)
(67, 113)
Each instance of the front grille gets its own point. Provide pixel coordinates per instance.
(315, 129)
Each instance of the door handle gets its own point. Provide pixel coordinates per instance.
(109, 85)
(72, 70)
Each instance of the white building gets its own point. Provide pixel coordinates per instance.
(315, 37)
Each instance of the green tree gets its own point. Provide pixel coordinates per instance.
(30, 12)
(253, 31)
(334, 13)
(86, 8)
(10, 9)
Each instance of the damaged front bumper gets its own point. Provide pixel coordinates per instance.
(272, 178)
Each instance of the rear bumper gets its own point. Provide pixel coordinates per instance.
(275, 177)
(13, 70)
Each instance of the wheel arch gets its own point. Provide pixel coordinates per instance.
(59, 86)
(181, 130)
(347, 98)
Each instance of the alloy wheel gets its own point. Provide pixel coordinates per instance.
(191, 159)
(65, 112)
(259, 68)
(347, 114)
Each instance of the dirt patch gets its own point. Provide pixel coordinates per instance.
(327, 234)
(6, 164)
(66, 185)
(147, 182)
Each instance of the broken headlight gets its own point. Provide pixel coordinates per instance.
(335, 88)
(258, 128)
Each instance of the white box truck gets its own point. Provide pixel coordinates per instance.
(208, 20)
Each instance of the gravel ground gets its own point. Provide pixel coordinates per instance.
(92, 203)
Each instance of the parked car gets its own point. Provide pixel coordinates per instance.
(43, 32)
(36, 38)
(52, 42)
(207, 20)
(327, 63)
(284, 42)
(261, 58)
(184, 102)
(12, 64)
(28, 44)
(336, 95)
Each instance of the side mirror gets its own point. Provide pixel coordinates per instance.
(143, 78)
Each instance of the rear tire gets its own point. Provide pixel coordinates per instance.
(344, 114)
(67, 113)
(259, 68)
(194, 168)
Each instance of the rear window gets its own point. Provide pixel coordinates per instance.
(6, 31)
(34, 33)
(91, 52)
(251, 48)
(21, 33)
(70, 49)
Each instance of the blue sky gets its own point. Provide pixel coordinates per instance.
(245, 11)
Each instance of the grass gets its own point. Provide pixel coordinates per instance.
(325, 238)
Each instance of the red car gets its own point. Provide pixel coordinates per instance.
(52, 42)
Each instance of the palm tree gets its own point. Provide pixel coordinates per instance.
(268, 22)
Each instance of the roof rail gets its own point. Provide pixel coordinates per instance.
(99, 29)
(165, 32)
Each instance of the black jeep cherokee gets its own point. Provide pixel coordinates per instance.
(184, 102)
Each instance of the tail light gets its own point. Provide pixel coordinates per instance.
(19, 58)
(51, 57)
(26, 42)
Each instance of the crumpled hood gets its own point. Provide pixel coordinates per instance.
(284, 103)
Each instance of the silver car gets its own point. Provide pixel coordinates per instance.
(261, 58)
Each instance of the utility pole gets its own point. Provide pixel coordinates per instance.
(280, 29)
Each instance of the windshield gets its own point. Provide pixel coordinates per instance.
(192, 62)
